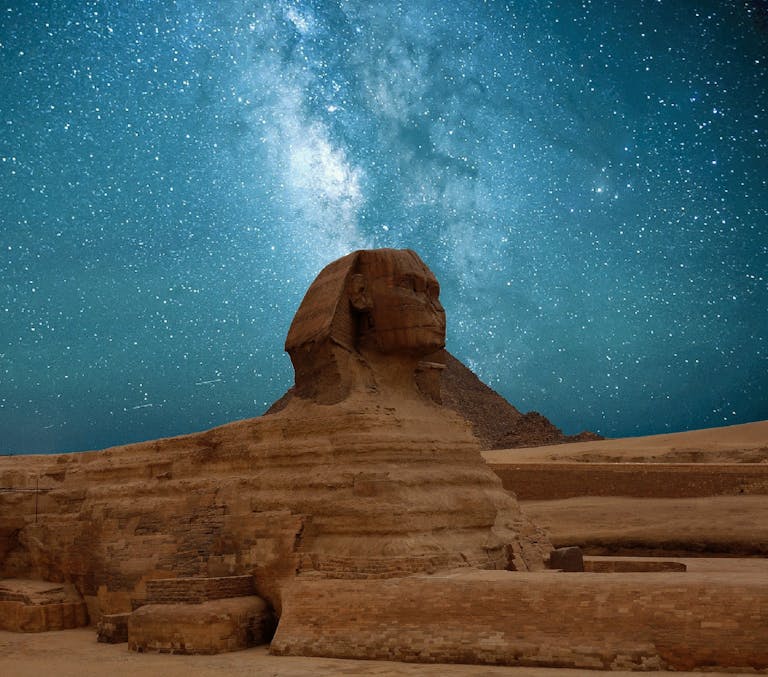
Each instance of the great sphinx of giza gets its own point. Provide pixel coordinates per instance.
(362, 474)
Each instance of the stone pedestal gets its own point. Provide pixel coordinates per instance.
(39, 606)
(113, 628)
(211, 627)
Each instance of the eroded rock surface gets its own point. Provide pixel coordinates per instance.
(40, 606)
(495, 422)
(363, 474)
(209, 627)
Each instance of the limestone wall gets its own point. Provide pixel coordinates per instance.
(197, 590)
(548, 481)
(630, 621)
(367, 488)
(19, 617)
(39, 606)
(611, 566)
(207, 628)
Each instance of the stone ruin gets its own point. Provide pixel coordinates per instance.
(359, 518)
(37, 606)
(362, 475)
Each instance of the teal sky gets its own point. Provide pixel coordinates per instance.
(586, 179)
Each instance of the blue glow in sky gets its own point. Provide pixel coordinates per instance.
(587, 180)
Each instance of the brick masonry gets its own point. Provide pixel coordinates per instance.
(578, 620)
(549, 481)
(17, 616)
(112, 628)
(198, 590)
(612, 566)
(40, 606)
(210, 627)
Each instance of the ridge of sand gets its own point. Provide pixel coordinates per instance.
(745, 443)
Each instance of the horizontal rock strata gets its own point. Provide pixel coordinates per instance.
(557, 480)
(40, 606)
(364, 488)
(574, 620)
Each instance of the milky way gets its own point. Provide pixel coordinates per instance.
(586, 179)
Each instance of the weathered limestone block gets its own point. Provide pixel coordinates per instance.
(40, 606)
(567, 559)
(207, 628)
(113, 628)
(613, 621)
(559, 480)
(197, 590)
(627, 565)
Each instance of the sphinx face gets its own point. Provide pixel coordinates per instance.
(403, 311)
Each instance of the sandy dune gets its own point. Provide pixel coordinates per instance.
(746, 443)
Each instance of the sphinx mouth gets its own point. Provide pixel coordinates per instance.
(426, 308)
(435, 327)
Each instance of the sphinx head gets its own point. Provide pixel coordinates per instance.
(369, 311)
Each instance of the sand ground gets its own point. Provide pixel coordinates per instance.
(746, 443)
(76, 653)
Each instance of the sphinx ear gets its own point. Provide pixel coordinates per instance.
(358, 294)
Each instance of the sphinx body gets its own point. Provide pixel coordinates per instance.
(361, 474)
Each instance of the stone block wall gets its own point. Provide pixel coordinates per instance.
(17, 616)
(40, 606)
(208, 628)
(391, 567)
(549, 481)
(112, 628)
(611, 566)
(578, 620)
(198, 590)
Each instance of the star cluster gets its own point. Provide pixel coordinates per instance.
(587, 180)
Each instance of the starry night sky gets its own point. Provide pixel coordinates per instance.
(587, 180)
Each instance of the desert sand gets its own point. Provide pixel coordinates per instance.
(75, 653)
(745, 443)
